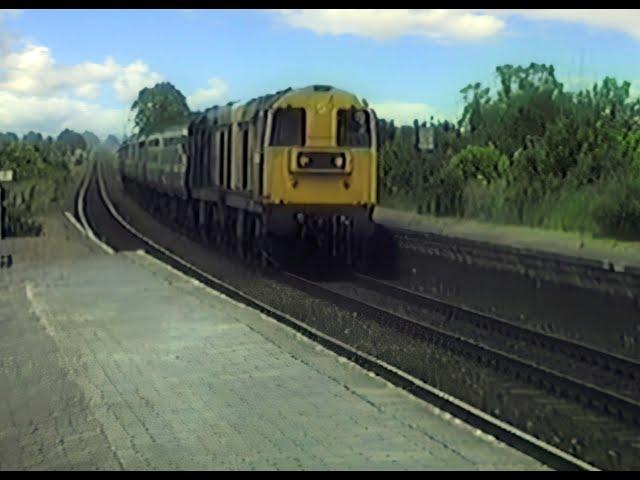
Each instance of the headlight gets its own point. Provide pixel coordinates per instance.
(338, 161)
(303, 161)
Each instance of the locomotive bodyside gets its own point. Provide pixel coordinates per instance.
(299, 163)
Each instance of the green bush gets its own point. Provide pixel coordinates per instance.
(444, 194)
(486, 164)
(42, 171)
(617, 212)
(488, 201)
(530, 154)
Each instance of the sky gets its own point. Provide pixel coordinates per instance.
(82, 69)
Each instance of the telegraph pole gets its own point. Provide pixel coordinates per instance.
(1, 212)
(424, 143)
(5, 257)
(5, 176)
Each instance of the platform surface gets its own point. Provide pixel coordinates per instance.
(119, 362)
(622, 254)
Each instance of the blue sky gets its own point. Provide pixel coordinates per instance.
(82, 68)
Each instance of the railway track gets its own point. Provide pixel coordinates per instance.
(619, 403)
(593, 378)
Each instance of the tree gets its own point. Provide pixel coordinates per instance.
(32, 138)
(91, 139)
(23, 158)
(7, 138)
(475, 97)
(159, 107)
(528, 153)
(111, 142)
(73, 140)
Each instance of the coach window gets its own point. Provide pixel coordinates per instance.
(210, 173)
(289, 127)
(201, 152)
(245, 157)
(221, 158)
(229, 156)
(354, 128)
(206, 159)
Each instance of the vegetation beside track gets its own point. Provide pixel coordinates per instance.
(530, 154)
(43, 171)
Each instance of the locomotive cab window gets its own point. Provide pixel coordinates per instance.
(289, 127)
(354, 128)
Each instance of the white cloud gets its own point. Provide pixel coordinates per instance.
(622, 20)
(389, 23)
(33, 71)
(132, 79)
(38, 94)
(457, 24)
(404, 113)
(207, 97)
(88, 90)
(51, 115)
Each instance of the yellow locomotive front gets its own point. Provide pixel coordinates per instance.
(322, 149)
(320, 167)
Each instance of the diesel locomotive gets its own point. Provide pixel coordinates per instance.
(285, 174)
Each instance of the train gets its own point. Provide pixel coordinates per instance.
(283, 175)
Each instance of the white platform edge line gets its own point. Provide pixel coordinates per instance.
(74, 222)
(436, 392)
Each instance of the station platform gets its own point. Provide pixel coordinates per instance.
(621, 254)
(120, 362)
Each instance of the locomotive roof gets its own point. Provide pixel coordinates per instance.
(225, 114)
(313, 94)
